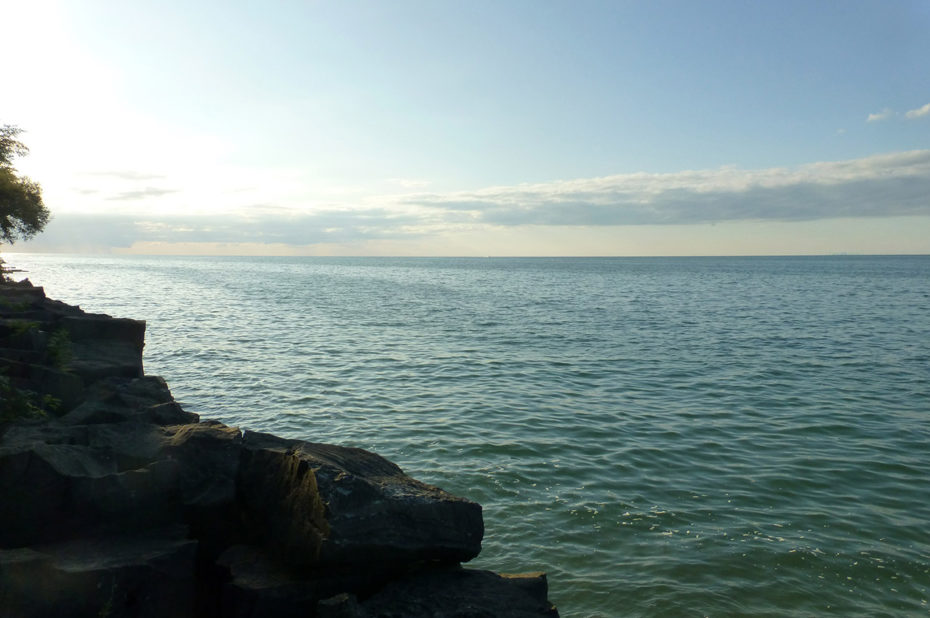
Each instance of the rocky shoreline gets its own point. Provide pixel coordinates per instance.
(118, 502)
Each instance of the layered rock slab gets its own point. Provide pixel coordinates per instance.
(333, 505)
(330, 518)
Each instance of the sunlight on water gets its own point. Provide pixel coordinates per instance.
(720, 436)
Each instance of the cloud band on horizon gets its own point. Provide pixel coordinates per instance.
(896, 184)
(887, 185)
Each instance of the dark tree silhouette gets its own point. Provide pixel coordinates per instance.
(22, 213)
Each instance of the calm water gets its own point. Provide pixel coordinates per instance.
(664, 437)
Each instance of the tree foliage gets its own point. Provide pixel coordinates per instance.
(22, 212)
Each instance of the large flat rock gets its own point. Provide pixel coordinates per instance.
(335, 505)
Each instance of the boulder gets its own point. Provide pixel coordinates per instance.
(331, 505)
(208, 454)
(103, 346)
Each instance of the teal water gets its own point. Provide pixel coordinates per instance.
(664, 437)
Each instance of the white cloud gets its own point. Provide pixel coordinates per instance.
(408, 183)
(880, 186)
(919, 112)
(883, 185)
(885, 114)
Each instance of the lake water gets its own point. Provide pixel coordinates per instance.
(664, 437)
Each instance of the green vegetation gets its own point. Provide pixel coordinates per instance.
(16, 404)
(12, 306)
(59, 349)
(21, 327)
(22, 213)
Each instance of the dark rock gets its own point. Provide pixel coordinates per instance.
(260, 585)
(343, 605)
(149, 575)
(65, 387)
(93, 328)
(37, 498)
(131, 445)
(20, 355)
(115, 400)
(79, 480)
(99, 412)
(129, 500)
(209, 455)
(101, 346)
(463, 593)
(126, 505)
(142, 392)
(326, 504)
(21, 296)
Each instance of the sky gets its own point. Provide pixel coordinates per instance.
(347, 127)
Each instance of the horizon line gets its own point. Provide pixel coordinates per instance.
(471, 257)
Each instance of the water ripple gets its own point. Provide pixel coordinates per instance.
(664, 437)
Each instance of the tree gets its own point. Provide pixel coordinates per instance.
(22, 213)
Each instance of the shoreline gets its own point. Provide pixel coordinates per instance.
(132, 505)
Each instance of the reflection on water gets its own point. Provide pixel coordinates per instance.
(663, 436)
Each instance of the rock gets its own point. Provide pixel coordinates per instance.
(115, 399)
(73, 482)
(21, 356)
(125, 504)
(343, 605)
(208, 454)
(259, 585)
(332, 505)
(463, 593)
(36, 505)
(149, 575)
(100, 412)
(103, 346)
(20, 297)
(64, 386)
(57, 350)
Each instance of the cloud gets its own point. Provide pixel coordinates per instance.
(140, 194)
(126, 175)
(885, 114)
(408, 183)
(81, 232)
(887, 185)
(883, 185)
(920, 112)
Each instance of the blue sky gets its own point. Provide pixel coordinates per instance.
(476, 128)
